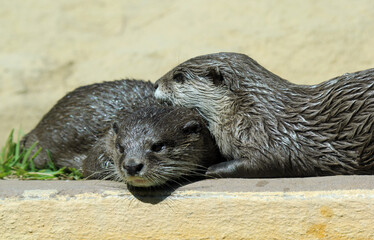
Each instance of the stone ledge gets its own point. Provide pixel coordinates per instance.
(340, 207)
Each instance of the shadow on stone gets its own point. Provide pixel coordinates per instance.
(155, 195)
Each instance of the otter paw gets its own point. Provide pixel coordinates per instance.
(221, 170)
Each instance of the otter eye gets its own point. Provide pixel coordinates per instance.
(179, 78)
(119, 148)
(158, 147)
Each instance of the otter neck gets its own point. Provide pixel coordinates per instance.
(213, 106)
(255, 110)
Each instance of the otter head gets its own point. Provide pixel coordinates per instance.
(156, 145)
(208, 83)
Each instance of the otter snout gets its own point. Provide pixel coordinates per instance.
(158, 93)
(133, 167)
(162, 92)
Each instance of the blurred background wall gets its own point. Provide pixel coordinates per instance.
(48, 48)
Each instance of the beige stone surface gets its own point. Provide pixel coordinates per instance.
(50, 47)
(331, 208)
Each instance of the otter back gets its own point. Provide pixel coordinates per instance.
(73, 125)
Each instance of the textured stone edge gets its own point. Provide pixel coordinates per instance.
(107, 210)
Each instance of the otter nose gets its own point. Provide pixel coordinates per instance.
(156, 85)
(133, 168)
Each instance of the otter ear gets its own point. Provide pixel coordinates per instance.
(231, 81)
(192, 127)
(216, 76)
(115, 127)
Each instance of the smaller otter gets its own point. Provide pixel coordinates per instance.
(268, 127)
(153, 146)
(74, 124)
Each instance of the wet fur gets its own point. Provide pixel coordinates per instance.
(74, 124)
(188, 146)
(269, 127)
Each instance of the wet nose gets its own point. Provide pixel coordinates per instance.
(156, 85)
(133, 168)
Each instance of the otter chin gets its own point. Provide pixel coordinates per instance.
(158, 145)
(266, 126)
(139, 182)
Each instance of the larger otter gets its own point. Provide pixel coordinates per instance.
(269, 127)
(153, 146)
(71, 128)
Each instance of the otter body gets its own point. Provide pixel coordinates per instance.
(268, 127)
(71, 128)
(153, 146)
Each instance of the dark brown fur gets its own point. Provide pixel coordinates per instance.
(71, 128)
(269, 127)
(153, 146)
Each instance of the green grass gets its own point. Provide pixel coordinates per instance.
(17, 163)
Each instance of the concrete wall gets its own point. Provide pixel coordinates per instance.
(50, 47)
(330, 208)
